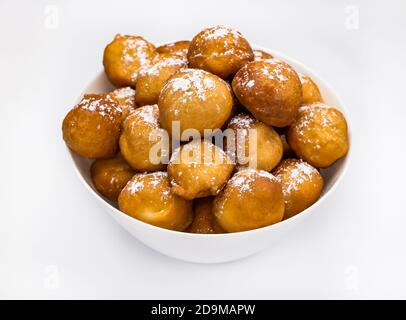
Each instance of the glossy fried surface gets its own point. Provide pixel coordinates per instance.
(301, 185)
(152, 77)
(219, 50)
(319, 135)
(196, 99)
(148, 197)
(199, 169)
(270, 90)
(204, 220)
(251, 199)
(311, 92)
(136, 139)
(179, 48)
(151, 138)
(92, 128)
(110, 176)
(126, 99)
(123, 58)
(255, 144)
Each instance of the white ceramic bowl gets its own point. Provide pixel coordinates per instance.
(203, 248)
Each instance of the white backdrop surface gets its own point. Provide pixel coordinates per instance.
(55, 242)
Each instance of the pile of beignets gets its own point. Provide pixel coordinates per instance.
(216, 81)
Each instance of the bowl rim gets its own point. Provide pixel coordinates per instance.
(283, 223)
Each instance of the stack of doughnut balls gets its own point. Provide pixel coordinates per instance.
(215, 81)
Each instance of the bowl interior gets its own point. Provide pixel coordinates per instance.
(331, 175)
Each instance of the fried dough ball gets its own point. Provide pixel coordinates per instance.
(301, 185)
(219, 50)
(261, 55)
(270, 90)
(124, 56)
(152, 77)
(148, 197)
(266, 150)
(311, 92)
(204, 220)
(110, 176)
(179, 48)
(319, 135)
(251, 199)
(92, 128)
(136, 141)
(197, 99)
(126, 99)
(199, 169)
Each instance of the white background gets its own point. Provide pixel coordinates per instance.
(55, 242)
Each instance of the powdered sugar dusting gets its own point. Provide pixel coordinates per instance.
(296, 172)
(275, 69)
(159, 174)
(245, 80)
(243, 180)
(148, 181)
(155, 181)
(242, 183)
(104, 105)
(242, 121)
(149, 115)
(135, 48)
(199, 153)
(266, 72)
(154, 68)
(314, 115)
(181, 84)
(191, 82)
(136, 53)
(179, 48)
(221, 32)
(229, 38)
(314, 105)
(266, 174)
(209, 83)
(250, 83)
(135, 186)
(123, 93)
